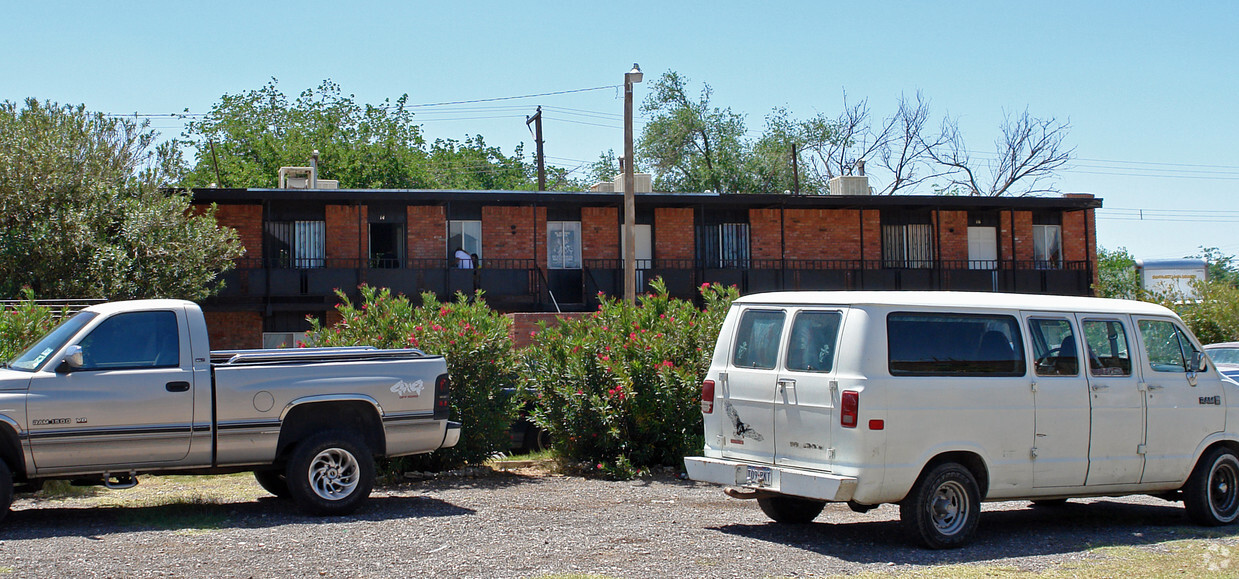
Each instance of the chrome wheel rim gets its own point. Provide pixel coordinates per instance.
(1224, 489)
(949, 508)
(334, 474)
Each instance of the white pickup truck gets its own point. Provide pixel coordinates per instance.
(128, 388)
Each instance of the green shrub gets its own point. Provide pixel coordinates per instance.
(480, 360)
(620, 390)
(22, 323)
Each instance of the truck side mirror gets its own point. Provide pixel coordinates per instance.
(1199, 363)
(72, 360)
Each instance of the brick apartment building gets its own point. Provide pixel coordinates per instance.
(554, 251)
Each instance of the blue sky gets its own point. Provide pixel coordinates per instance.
(1149, 87)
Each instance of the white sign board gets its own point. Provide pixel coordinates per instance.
(1175, 278)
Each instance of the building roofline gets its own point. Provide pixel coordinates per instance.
(350, 196)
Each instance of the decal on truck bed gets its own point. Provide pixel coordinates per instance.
(408, 390)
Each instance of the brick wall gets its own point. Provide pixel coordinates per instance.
(600, 233)
(953, 231)
(525, 323)
(673, 233)
(822, 234)
(346, 233)
(426, 232)
(1023, 235)
(1080, 238)
(246, 219)
(508, 232)
(765, 235)
(234, 330)
(872, 223)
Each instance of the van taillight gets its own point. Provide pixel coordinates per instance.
(849, 407)
(707, 397)
(442, 407)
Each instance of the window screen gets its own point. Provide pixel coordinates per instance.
(931, 344)
(757, 339)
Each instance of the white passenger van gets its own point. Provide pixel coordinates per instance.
(940, 400)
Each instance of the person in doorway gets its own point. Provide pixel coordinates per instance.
(463, 259)
(476, 263)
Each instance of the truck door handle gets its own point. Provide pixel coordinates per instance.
(178, 386)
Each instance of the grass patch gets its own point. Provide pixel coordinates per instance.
(61, 489)
(1197, 558)
(6, 570)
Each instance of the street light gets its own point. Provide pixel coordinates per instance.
(630, 203)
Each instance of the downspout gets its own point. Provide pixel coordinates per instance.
(860, 221)
(782, 242)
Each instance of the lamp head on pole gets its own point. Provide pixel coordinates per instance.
(633, 76)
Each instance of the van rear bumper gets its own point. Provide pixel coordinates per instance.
(789, 481)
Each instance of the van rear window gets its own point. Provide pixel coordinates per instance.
(930, 344)
(757, 339)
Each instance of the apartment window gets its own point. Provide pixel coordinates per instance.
(1047, 233)
(466, 235)
(725, 245)
(907, 239)
(296, 244)
(563, 244)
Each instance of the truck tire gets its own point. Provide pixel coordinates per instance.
(330, 473)
(1211, 495)
(790, 510)
(6, 489)
(272, 481)
(944, 507)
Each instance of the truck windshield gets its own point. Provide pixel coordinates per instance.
(32, 358)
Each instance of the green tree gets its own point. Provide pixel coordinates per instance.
(1116, 275)
(247, 137)
(83, 215)
(691, 145)
(1223, 268)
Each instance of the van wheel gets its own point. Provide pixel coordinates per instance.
(791, 510)
(1211, 495)
(272, 481)
(330, 473)
(943, 508)
(6, 489)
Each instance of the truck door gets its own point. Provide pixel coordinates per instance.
(1116, 435)
(806, 390)
(1183, 407)
(749, 389)
(1060, 401)
(131, 403)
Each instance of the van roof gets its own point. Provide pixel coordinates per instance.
(993, 300)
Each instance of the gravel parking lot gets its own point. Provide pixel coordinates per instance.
(532, 524)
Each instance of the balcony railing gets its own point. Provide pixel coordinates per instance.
(518, 284)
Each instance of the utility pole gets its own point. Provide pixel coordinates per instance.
(630, 203)
(795, 171)
(536, 119)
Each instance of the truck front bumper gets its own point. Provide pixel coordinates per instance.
(789, 481)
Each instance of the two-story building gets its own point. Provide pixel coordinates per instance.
(555, 251)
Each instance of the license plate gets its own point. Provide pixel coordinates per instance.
(760, 476)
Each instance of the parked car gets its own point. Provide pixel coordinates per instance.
(937, 401)
(129, 388)
(1226, 356)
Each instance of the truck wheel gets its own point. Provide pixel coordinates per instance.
(943, 508)
(6, 489)
(790, 510)
(330, 473)
(1211, 495)
(272, 481)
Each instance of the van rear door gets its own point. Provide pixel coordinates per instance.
(749, 385)
(807, 392)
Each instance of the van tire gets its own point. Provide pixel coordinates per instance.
(1211, 495)
(6, 489)
(330, 474)
(272, 481)
(790, 510)
(944, 507)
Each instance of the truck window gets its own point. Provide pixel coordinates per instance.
(1107, 348)
(132, 340)
(757, 339)
(1168, 350)
(1054, 347)
(925, 344)
(812, 345)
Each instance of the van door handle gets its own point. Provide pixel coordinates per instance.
(1097, 387)
(177, 386)
(1155, 386)
(785, 383)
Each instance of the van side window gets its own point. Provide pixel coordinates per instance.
(1107, 348)
(1168, 350)
(921, 344)
(757, 339)
(812, 345)
(1054, 347)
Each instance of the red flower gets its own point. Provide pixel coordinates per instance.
(632, 335)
